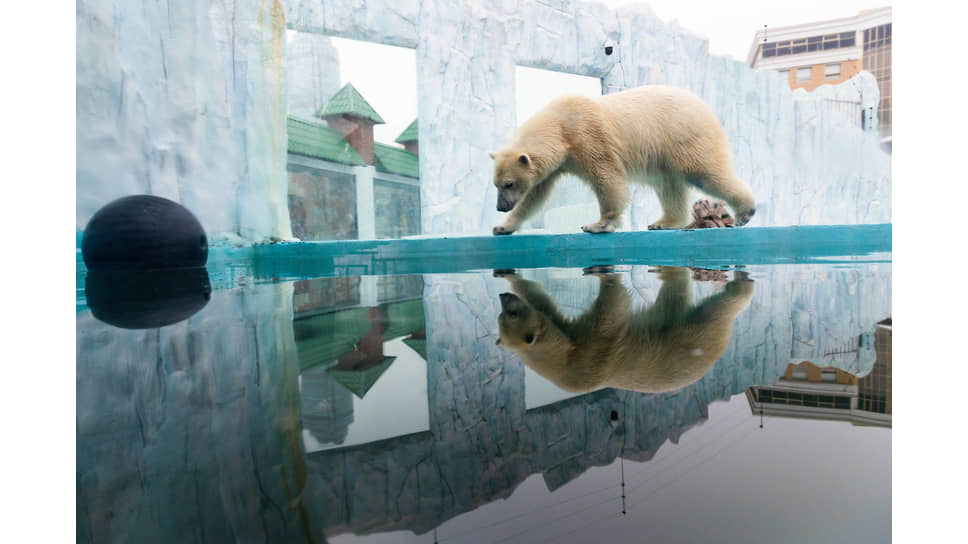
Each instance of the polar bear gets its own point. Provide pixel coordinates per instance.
(665, 132)
(661, 348)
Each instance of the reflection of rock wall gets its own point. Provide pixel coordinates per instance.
(192, 428)
(325, 405)
(483, 443)
(312, 73)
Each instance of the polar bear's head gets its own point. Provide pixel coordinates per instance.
(519, 325)
(514, 175)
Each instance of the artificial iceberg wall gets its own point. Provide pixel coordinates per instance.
(185, 100)
(188, 101)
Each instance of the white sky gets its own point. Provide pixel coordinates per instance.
(391, 89)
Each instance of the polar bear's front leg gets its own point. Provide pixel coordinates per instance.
(530, 203)
(613, 196)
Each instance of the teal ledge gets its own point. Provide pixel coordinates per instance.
(708, 248)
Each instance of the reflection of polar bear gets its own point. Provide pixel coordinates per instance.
(609, 140)
(664, 347)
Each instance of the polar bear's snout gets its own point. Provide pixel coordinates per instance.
(505, 201)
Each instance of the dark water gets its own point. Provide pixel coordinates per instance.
(629, 404)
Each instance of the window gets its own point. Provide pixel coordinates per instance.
(804, 74)
(769, 50)
(828, 375)
(832, 71)
(799, 373)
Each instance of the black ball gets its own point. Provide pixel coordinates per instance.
(146, 299)
(144, 232)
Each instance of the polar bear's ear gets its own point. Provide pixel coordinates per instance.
(524, 159)
(491, 154)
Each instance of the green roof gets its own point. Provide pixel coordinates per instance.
(394, 160)
(319, 141)
(419, 345)
(360, 381)
(348, 101)
(409, 134)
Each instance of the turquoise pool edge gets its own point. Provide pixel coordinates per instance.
(230, 265)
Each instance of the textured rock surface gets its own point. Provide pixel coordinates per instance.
(312, 73)
(191, 432)
(185, 100)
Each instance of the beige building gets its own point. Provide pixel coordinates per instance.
(809, 391)
(814, 54)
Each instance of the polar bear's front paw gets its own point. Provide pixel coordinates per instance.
(745, 217)
(599, 228)
(501, 230)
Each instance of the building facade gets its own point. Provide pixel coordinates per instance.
(344, 185)
(814, 54)
(809, 391)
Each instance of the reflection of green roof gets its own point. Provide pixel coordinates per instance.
(316, 140)
(323, 338)
(419, 345)
(348, 101)
(409, 134)
(394, 160)
(360, 381)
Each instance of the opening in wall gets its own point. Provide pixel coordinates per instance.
(352, 139)
(534, 89)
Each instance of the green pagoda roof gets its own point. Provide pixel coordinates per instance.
(394, 160)
(409, 134)
(319, 141)
(323, 338)
(360, 381)
(349, 101)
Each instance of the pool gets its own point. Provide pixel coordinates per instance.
(358, 391)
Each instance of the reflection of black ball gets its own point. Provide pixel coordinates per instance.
(144, 232)
(146, 299)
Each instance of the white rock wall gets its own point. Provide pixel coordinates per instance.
(185, 100)
(312, 73)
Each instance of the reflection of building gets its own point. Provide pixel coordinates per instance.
(813, 54)
(343, 184)
(340, 326)
(808, 391)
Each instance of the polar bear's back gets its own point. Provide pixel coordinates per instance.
(660, 124)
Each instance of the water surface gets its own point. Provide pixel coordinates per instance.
(742, 404)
